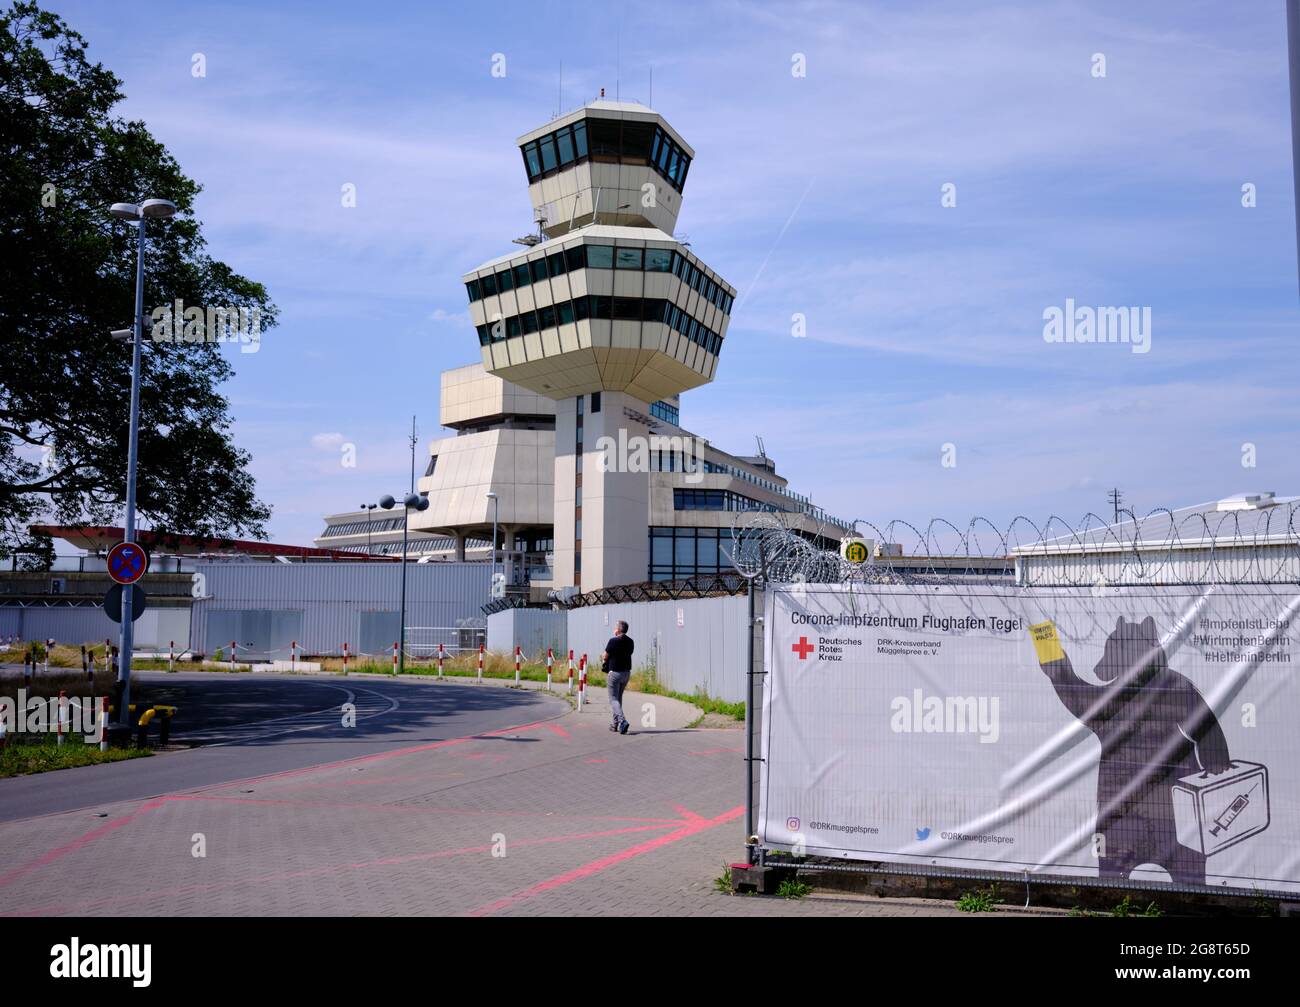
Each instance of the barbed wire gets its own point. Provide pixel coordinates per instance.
(1250, 545)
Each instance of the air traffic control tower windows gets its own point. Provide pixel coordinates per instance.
(612, 141)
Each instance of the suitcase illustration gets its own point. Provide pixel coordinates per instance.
(1213, 812)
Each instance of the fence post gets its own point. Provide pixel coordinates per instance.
(63, 712)
(394, 657)
(480, 664)
(570, 671)
(440, 654)
(516, 664)
(582, 682)
(103, 724)
(293, 656)
(550, 659)
(171, 655)
(345, 657)
(48, 645)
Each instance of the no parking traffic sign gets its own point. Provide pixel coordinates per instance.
(127, 562)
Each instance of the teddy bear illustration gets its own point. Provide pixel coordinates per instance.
(1154, 729)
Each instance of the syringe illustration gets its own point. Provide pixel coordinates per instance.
(1232, 811)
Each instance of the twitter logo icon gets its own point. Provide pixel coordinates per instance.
(923, 833)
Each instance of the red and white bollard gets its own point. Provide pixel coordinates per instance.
(345, 658)
(103, 723)
(63, 714)
(582, 681)
(480, 664)
(293, 656)
(570, 671)
(394, 657)
(441, 652)
(232, 655)
(171, 655)
(550, 659)
(516, 664)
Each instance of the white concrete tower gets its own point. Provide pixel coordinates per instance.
(606, 314)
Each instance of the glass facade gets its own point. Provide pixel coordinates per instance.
(628, 309)
(650, 260)
(615, 141)
(666, 411)
(676, 553)
(693, 499)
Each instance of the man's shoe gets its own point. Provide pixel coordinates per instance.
(622, 728)
(614, 728)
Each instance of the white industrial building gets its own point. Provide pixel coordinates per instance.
(1247, 538)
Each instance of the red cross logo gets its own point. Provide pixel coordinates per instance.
(803, 648)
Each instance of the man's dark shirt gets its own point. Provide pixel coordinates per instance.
(619, 650)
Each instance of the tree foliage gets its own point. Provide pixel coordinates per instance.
(67, 277)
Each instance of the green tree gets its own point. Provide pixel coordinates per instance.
(67, 277)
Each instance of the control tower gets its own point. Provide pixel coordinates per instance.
(605, 312)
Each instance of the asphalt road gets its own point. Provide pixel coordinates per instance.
(252, 726)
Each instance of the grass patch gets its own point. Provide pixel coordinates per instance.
(980, 900)
(41, 753)
(647, 680)
(791, 889)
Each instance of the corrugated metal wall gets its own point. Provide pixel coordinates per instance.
(705, 652)
(332, 597)
(153, 630)
(1228, 564)
(533, 629)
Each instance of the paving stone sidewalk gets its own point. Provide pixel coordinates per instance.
(554, 817)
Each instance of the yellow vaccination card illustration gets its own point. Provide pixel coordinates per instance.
(1046, 642)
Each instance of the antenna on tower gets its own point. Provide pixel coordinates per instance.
(1116, 498)
(414, 441)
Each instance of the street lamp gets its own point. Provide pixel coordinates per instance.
(496, 504)
(412, 502)
(368, 508)
(150, 209)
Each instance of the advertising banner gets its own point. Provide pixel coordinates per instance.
(1147, 734)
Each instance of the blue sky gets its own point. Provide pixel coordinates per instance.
(817, 195)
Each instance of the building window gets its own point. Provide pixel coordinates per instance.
(627, 258)
(658, 260)
(595, 402)
(600, 256)
(666, 412)
(678, 553)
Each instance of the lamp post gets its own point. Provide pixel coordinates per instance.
(368, 508)
(413, 501)
(157, 209)
(496, 504)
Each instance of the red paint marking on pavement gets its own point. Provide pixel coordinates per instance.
(109, 827)
(592, 761)
(83, 841)
(604, 863)
(328, 869)
(688, 815)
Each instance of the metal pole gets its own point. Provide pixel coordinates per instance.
(749, 733)
(368, 510)
(495, 502)
(406, 514)
(128, 625)
(1293, 49)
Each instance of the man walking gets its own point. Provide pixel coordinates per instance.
(617, 664)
